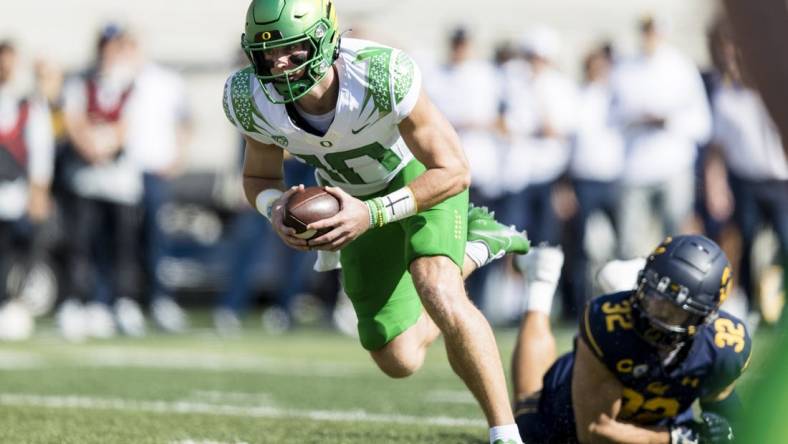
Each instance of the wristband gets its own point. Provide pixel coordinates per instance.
(392, 207)
(264, 202)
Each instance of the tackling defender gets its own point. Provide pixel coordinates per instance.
(357, 113)
(641, 359)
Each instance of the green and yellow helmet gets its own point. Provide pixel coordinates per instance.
(279, 23)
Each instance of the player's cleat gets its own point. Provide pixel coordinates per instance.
(497, 237)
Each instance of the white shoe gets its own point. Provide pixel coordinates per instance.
(168, 315)
(36, 287)
(306, 309)
(71, 320)
(620, 275)
(276, 321)
(344, 316)
(100, 323)
(16, 322)
(129, 317)
(542, 267)
(226, 322)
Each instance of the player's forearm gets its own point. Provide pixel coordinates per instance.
(438, 184)
(253, 186)
(433, 141)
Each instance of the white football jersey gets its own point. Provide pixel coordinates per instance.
(362, 150)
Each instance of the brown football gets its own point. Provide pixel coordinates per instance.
(310, 205)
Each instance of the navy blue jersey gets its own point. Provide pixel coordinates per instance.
(654, 393)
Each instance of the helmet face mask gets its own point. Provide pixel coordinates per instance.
(662, 311)
(661, 321)
(292, 83)
(681, 287)
(278, 24)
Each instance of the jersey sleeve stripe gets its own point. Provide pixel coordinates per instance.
(589, 335)
(747, 362)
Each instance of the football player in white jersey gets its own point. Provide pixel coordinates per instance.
(356, 112)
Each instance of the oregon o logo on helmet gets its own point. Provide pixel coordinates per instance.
(326, 143)
(265, 35)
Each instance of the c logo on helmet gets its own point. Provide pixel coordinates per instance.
(265, 35)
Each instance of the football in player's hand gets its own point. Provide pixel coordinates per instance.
(307, 206)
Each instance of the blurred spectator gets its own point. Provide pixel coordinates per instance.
(49, 87)
(107, 188)
(158, 123)
(26, 165)
(595, 166)
(660, 105)
(540, 116)
(758, 171)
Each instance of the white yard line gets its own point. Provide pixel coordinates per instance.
(184, 407)
(12, 360)
(147, 358)
(137, 357)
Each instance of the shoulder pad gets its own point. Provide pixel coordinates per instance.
(732, 347)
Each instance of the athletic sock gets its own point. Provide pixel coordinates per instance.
(540, 296)
(505, 434)
(477, 252)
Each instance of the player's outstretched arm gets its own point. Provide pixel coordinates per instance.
(433, 141)
(596, 398)
(263, 182)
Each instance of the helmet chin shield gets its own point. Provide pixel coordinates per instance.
(276, 25)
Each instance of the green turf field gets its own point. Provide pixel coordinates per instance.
(312, 386)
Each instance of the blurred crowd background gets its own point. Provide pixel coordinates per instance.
(597, 128)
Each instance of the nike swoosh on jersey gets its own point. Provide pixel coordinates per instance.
(354, 131)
